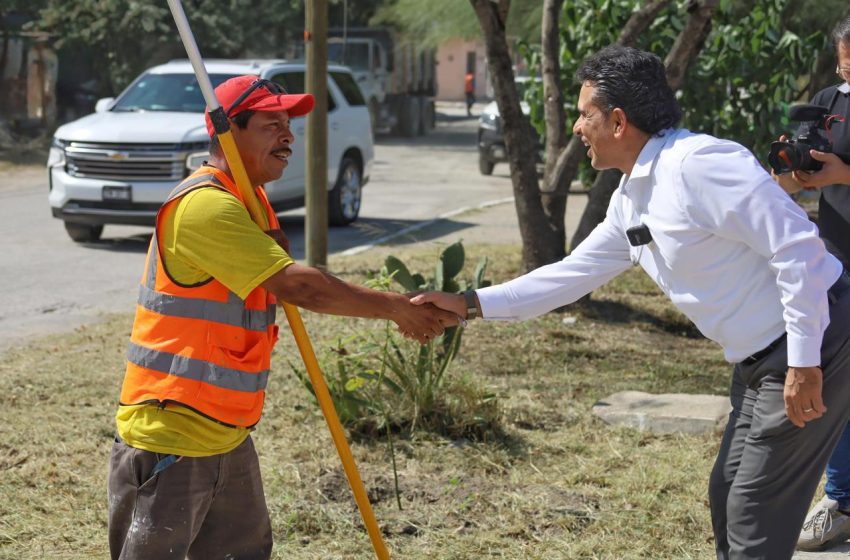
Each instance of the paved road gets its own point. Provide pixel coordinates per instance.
(50, 284)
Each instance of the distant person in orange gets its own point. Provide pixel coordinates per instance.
(469, 90)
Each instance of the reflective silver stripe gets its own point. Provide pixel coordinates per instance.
(198, 370)
(180, 189)
(153, 255)
(231, 313)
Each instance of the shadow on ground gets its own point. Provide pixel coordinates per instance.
(619, 312)
(362, 232)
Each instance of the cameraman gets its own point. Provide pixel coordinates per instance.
(829, 520)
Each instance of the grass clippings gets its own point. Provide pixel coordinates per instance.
(554, 483)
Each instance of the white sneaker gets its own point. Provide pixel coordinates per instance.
(824, 525)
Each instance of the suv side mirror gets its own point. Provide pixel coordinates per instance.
(103, 105)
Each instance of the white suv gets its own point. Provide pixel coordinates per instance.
(118, 165)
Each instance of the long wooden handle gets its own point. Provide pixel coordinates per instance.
(258, 214)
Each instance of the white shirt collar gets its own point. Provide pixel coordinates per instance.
(647, 156)
(844, 88)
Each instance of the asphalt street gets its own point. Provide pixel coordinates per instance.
(50, 284)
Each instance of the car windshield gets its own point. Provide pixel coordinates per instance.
(167, 92)
(355, 55)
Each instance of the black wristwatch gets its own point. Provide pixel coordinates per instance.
(471, 307)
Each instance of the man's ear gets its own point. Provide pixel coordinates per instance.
(620, 121)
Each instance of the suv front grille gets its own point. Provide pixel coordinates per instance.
(130, 162)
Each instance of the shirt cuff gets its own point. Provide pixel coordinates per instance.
(804, 351)
(494, 303)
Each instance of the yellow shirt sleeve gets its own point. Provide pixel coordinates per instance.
(208, 233)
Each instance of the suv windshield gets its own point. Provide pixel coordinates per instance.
(355, 55)
(167, 92)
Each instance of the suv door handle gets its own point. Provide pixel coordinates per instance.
(334, 125)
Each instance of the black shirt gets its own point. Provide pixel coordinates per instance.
(834, 207)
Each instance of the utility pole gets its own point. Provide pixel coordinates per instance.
(316, 225)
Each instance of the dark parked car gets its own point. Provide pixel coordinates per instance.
(491, 145)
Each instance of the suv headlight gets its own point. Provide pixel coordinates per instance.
(56, 154)
(194, 161)
(489, 121)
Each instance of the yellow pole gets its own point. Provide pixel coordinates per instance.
(258, 214)
(327, 406)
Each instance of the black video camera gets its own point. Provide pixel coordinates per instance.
(793, 155)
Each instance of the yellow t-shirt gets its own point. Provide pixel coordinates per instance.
(205, 234)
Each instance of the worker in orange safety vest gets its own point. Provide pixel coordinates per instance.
(184, 478)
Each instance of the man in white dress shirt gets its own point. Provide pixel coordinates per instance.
(736, 255)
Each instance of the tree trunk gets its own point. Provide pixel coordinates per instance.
(540, 244)
(4, 53)
(639, 21)
(553, 195)
(690, 41)
(597, 204)
(685, 49)
(557, 180)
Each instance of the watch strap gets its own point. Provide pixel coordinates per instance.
(471, 306)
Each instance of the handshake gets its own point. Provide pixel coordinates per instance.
(419, 316)
(422, 316)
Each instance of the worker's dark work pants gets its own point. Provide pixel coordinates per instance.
(204, 508)
(767, 469)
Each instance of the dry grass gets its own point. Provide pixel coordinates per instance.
(556, 483)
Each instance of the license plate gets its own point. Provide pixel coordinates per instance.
(123, 193)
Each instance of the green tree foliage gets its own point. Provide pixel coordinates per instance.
(436, 21)
(741, 83)
(124, 37)
(748, 74)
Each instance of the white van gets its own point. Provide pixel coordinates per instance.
(118, 165)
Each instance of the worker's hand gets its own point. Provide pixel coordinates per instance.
(834, 171)
(454, 303)
(280, 237)
(803, 395)
(422, 323)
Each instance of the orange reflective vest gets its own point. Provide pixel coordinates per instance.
(200, 346)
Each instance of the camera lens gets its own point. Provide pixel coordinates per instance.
(783, 157)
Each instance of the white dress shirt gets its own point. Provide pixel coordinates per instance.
(730, 249)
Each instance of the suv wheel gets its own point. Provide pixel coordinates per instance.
(344, 198)
(485, 165)
(83, 233)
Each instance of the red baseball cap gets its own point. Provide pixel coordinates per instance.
(262, 95)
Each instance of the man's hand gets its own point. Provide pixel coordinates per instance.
(803, 395)
(280, 237)
(787, 181)
(424, 322)
(454, 303)
(834, 171)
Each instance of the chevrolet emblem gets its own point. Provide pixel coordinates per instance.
(117, 155)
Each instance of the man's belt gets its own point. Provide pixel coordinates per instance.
(756, 356)
(835, 292)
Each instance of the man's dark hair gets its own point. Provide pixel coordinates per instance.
(634, 81)
(841, 33)
(241, 120)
